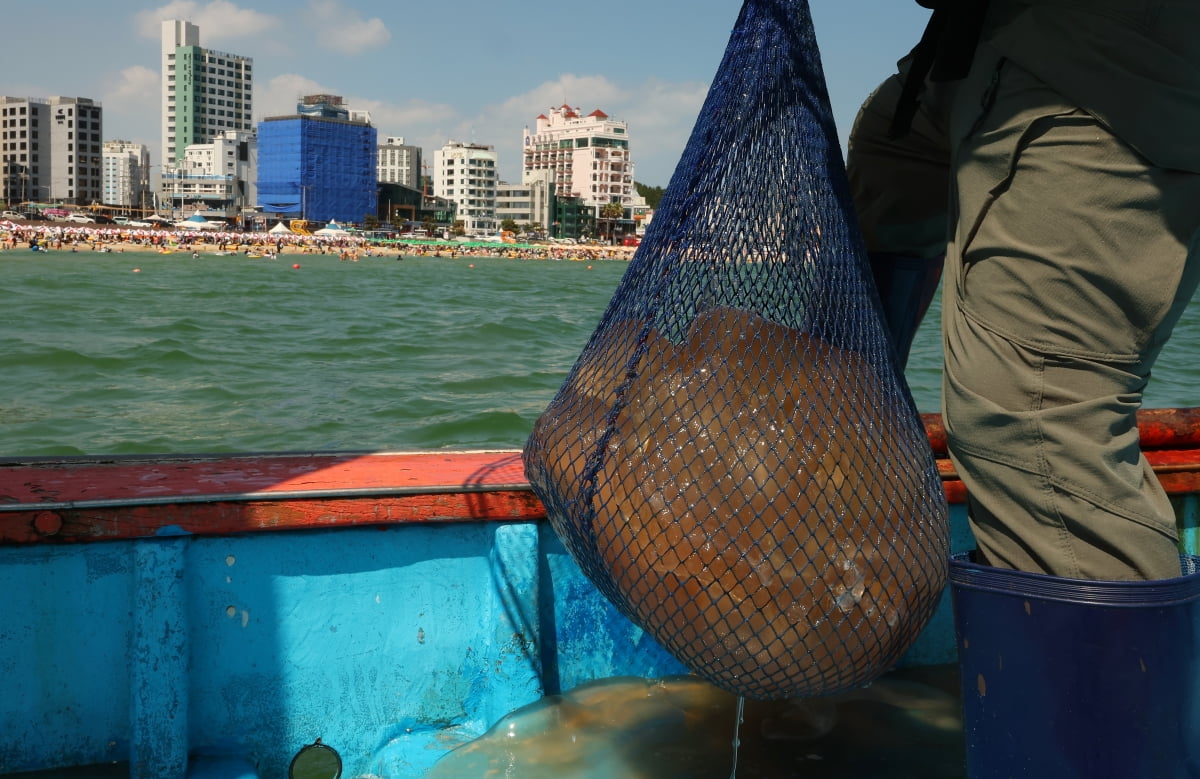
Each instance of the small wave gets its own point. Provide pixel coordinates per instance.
(62, 359)
(505, 429)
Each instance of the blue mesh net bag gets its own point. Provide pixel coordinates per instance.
(735, 460)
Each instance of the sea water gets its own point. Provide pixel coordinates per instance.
(123, 353)
(140, 353)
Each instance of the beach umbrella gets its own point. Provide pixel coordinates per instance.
(198, 222)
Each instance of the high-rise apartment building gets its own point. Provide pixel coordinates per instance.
(126, 175)
(23, 174)
(587, 156)
(50, 150)
(399, 163)
(466, 174)
(204, 92)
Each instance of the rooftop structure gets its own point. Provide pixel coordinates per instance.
(325, 106)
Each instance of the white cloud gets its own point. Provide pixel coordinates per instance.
(282, 93)
(344, 30)
(421, 123)
(138, 87)
(660, 116)
(131, 107)
(217, 19)
(501, 124)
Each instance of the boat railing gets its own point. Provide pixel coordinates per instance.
(97, 498)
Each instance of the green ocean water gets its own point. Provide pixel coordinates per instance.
(229, 354)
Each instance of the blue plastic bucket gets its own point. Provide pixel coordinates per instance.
(1072, 678)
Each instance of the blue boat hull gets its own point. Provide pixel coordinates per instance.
(391, 644)
(172, 651)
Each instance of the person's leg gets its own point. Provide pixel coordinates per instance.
(1071, 262)
(899, 187)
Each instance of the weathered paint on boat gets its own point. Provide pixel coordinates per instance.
(208, 616)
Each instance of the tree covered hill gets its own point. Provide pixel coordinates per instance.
(653, 195)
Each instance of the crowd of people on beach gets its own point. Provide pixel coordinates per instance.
(112, 239)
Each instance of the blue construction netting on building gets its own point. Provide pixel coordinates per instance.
(317, 169)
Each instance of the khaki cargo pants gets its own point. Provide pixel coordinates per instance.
(1069, 259)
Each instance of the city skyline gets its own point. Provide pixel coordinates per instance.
(478, 75)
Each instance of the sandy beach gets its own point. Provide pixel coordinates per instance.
(55, 237)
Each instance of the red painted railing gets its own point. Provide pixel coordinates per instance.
(83, 499)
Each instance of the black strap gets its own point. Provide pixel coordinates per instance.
(944, 53)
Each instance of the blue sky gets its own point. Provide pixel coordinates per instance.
(471, 70)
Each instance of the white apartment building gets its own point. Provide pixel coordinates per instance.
(586, 156)
(215, 179)
(126, 175)
(50, 150)
(398, 163)
(466, 174)
(204, 92)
